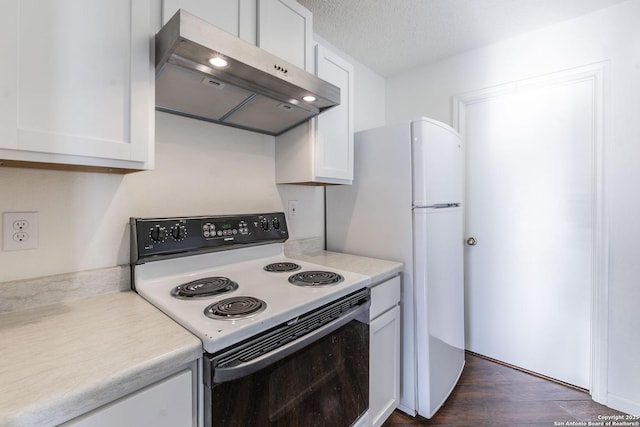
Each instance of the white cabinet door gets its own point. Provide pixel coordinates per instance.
(77, 85)
(169, 403)
(321, 151)
(334, 145)
(384, 365)
(237, 17)
(384, 341)
(285, 29)
(282, 27)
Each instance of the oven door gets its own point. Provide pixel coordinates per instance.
(320, 378)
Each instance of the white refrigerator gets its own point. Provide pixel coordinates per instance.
(405, 204)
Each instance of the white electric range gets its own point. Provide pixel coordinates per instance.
(263, 318)
(246, 270)
(282, 301)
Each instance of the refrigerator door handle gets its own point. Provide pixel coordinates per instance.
(437, 206)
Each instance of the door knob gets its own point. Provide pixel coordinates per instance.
(471, 241)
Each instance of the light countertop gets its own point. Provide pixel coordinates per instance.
(62, 360)
(378, 269)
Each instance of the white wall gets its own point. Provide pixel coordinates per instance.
(201, 168)
(369, 91)
(611, 35)
(369, 98)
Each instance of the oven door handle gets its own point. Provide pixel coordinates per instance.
(221, 375)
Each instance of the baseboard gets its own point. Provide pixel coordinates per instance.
(623, 405)
(526, 371)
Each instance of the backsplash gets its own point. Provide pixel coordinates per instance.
(32, 293)
(201, 169)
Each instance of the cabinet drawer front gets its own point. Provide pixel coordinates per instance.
(384, 296)
(164, 404)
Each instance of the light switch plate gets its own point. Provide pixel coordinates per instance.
(19, 231)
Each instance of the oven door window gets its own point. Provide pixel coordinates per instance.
(325, 383)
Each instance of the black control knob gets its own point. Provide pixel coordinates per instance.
(264, 223)
(276, 223)
(158, 234)
(178, 232)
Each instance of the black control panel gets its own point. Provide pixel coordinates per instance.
(159, 238)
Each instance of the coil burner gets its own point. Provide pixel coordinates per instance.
(278, 267)
(235, 308)
(202, 288)
(315, 278)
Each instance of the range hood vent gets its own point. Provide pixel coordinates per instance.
(256, 90)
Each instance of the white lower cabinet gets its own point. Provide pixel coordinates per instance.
(384, 359)
(168, 403)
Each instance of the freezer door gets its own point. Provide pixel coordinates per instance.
(439, 304)
(437, 163)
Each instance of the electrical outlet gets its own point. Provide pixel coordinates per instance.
(19, 231)
(20, 237)
(20, 224)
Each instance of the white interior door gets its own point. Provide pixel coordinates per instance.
(530, 206)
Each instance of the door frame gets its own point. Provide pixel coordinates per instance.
(597, 74)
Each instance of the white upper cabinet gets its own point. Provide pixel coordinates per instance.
(334, 145)
(285, 29)
(237, 17)
(321, 151)
(76, 88)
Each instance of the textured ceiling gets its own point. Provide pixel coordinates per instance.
(392, 36)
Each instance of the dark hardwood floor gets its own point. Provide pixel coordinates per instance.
(493, 395)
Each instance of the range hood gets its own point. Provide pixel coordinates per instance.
(255, 90)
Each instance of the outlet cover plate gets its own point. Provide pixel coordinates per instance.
(292, 208)
(19, 231)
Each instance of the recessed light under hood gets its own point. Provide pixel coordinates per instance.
(255, 90)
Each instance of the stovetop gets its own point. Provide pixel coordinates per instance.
(244, 265)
